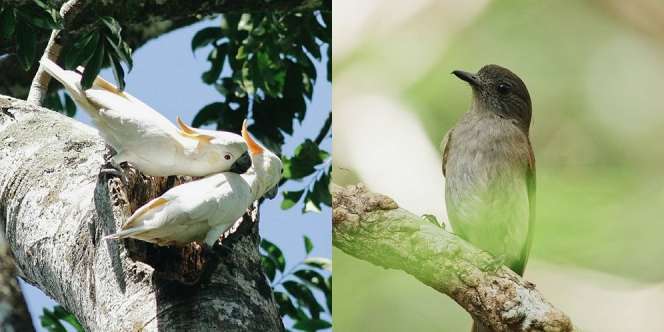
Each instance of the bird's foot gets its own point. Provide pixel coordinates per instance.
(432, 219)
(110, 169)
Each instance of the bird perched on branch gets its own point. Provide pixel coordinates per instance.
(489, 168)
(143, 137)
(202, 210)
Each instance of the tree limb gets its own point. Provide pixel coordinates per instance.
(373, 228)
(14, 315)
(54, 210)
(39, 84)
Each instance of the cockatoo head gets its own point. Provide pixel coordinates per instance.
(226, 150)
(266, 165)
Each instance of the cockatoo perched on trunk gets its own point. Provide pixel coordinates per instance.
(146, 139)
(203, 210)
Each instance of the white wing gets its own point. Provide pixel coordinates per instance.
(187, 212)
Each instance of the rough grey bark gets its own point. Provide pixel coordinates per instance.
(54, 209)
(14, 315)
(373, 228)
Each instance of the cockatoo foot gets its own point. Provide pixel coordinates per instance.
(432, 219)
(110, 169)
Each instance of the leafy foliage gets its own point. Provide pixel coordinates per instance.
(98, 48)
(23, 23)
(295, 290)
(53, 320)
(271, 74)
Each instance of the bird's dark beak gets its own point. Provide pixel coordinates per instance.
(242, 164)
(471, 78)
(272, 193)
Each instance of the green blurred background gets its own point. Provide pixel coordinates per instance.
(595, 72)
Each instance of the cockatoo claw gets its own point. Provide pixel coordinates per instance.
(109, 169)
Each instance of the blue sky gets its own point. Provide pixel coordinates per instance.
(166, 75)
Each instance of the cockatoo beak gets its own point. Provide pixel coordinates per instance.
(242, 164)
(254, 147)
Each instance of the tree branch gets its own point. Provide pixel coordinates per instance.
(54, 210)
(373, 228)
(39, 84)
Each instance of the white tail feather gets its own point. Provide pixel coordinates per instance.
(125, 233)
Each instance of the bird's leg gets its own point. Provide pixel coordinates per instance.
(110, 167)
(432, 219)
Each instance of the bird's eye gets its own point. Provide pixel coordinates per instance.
(503, 88)
(227, 156)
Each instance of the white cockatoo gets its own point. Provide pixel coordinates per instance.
(146, 139)
(203, 210)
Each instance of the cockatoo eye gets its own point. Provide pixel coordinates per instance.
(227, 156)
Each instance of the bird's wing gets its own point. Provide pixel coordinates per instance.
(531, 184)
(445, 146)
(194, 201)
(71, 81)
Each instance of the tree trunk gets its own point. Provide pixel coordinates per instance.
(55, 208)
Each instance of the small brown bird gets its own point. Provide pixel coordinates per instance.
(489, 169)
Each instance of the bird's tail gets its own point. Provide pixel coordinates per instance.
(69, 79)
(125, 233)
(479, 327)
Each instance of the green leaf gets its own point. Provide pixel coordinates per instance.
(291, 198)
(319, 262)
(304, 295)
(308, 245)
(26, 41)
(62, 314)
(311, 204)
(285, 304)
(51, 322)
(216, 58)
(306, 156)
(273, 251)
(209, 114)
(112, 25)
(205, 36)
(313, 278)
(39, 17)
(93, 67)
(118, 71)
(121, 50)
(325, 129)
(82, 50)
(312, 325)
(7, 23)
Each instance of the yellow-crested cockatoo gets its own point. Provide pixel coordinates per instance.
(146, 139)
(203, 210)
